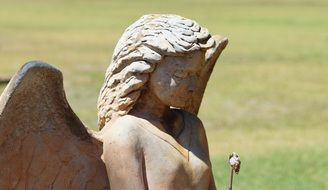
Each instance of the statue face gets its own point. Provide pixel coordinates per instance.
(176, 78)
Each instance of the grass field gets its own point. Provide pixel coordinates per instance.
(266, 99)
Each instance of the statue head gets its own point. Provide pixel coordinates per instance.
(144, 45)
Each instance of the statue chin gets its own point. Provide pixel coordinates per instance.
(148, 144)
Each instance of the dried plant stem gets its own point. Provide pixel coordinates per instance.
(231, 179)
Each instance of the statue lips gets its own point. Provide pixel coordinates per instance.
(175, 80)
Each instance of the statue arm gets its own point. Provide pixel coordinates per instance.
(204, 144)
(212, 183)
(124, 158)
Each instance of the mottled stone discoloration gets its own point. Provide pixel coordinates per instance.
(144, 45)
(43, 144)
(150, 138)
(160, 62)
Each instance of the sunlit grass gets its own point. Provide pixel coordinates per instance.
(266, 99)
(292, 169)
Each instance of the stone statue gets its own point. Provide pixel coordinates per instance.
(147, 105)
(150, 136)
(43, 144)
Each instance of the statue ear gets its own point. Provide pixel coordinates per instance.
(213, 54)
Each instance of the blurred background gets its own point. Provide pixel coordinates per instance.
(266, 99)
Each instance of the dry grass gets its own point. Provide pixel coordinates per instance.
(267, 99)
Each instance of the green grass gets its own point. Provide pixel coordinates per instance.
(267, 99)
(292, 170)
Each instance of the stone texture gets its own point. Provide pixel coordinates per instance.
(142, 47)
(152, 137)
(43, 144)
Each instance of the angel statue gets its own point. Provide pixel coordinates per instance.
(150, 136)
(147, 105)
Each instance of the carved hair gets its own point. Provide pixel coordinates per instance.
(141, 47)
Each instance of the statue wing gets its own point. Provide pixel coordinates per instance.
(211, 57)
(43, 144)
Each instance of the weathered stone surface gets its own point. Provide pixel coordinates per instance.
(43, 144)
(144, 45)
(150, 138)
(153, 88)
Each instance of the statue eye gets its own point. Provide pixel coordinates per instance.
(181, 74)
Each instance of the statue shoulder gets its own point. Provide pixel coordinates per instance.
(124, 131)
(193, 120)
(198, 131)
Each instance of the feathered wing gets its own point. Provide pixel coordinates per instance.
(43, 144)
(211, 57)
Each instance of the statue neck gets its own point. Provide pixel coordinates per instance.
(150, 108)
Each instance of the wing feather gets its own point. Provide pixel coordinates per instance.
(43, 144)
